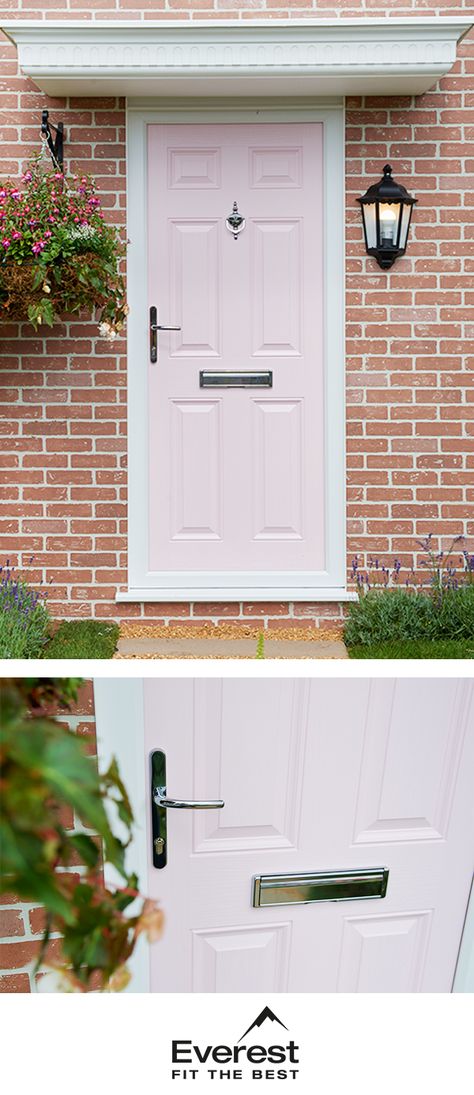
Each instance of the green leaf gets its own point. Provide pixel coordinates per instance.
(86, 849)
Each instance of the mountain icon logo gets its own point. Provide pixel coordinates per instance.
(267, 1013)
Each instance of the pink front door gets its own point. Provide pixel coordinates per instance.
(316, 776)
(236, 475)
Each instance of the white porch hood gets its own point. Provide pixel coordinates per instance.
(273, 58)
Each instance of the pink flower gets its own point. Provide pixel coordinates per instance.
(5, 243)
(16, 235)
(27, 177)
(47, 235)
(52, 220)
(37, 247)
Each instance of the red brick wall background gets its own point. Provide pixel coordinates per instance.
(410, 432)
(21, 923)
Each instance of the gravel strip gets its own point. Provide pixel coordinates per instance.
(228, 631)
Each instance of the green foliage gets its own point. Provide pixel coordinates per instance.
(57, 254)
(24, 618)
(399, 615)
(82, 639)
(260, 652)
(47, 778)
(447, 648)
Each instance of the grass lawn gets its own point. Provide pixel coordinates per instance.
(82, 639)
(416, 648)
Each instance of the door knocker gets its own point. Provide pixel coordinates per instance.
(235, 222)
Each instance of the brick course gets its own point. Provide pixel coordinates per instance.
(22, 922)
(409, 351)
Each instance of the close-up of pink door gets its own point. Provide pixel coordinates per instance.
(307, 835)
(236, 431)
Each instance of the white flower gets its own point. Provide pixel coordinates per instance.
(107, 331)
(82, 232)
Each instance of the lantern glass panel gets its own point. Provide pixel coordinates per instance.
(406, 217)
(368, 212)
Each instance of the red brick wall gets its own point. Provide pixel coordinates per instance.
(410, 431)
(21, 923)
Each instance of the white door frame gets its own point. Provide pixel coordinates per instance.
(120, 728)
(119, 710)
(328, 585)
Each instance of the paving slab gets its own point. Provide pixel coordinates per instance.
(228, 648)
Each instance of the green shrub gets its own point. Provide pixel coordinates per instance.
(83, 639)
(386, 615)
(455, 614)
(24, 618)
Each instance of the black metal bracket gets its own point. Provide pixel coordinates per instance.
(56, 147)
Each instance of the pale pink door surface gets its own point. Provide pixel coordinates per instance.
(236, 476)
(315, 775)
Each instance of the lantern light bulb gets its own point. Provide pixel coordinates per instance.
(388, 224)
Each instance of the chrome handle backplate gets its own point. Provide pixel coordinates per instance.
(161, 803)
(154, 327)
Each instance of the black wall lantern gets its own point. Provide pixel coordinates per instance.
(386, 214)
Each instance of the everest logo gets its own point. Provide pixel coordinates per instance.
(239, 1061)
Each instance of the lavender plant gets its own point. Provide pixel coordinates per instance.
(442, 570)
(433, 602)
(24, 618)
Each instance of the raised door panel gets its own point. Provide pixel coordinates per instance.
(194, 168)
(414, 735)
(278, 478)
(276, 167)
(195, 288)
(249, 749)
(383, 953)
(196, 468)
(276, 287)
(242, 959)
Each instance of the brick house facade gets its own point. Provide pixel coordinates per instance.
(409, 361)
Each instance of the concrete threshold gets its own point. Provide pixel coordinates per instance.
(228, 648)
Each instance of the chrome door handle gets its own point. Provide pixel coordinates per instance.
(160, 799)
(160, 804)
(154, 328)
(161, 327)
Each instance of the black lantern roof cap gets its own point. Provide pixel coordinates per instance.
(387, 190)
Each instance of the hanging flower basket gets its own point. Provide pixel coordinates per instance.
(57, 254)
